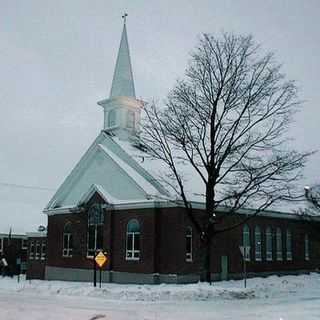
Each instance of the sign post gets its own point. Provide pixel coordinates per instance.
(245, 251)
(100, 259)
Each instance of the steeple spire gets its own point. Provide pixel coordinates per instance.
(122, 83)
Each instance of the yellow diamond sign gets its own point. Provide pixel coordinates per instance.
(100, 259)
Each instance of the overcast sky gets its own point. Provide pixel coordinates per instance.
(57, 60)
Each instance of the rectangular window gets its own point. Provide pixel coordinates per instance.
(133, 246)
(189, 244)
(289, 245)
(306, 247)
(269, 244)
(38, 250)
(31, 253)
(95, 239)
(24, 244)
(279, 244)
(257, 237)
(43, 250)
(1, 245)
(67, 245)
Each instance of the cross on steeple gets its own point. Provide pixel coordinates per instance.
(124, 17)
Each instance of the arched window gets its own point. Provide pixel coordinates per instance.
(289, 245)
(269, 246)
(133, 240)
(279, 244)
(189, 244)
(306, 247)
(67, 241)
(111, 118)
(95, 229)
(246, 242)
(257, 240)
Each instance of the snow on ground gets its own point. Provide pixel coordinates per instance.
(280, 298)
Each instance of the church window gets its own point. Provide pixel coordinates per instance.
(31, 253)
(133, 240)
(269, 244)
(306, 247)
(95, 230)
(131, 120)
(189, 244)
(246, 242)
(112, 118)
(67, 241)
(289, 245)
(279, 244)
(257, 240)
(43, 250)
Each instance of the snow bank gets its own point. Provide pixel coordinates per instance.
(257, 288)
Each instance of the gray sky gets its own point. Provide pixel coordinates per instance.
(57, 60)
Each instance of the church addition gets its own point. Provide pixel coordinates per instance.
(111, 201)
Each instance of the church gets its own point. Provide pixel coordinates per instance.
(112, 201)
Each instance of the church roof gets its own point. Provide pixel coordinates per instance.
(122, 83)
(111, 171)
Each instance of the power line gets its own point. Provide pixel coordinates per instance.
(22, 186)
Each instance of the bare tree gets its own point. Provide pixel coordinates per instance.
(227, 120)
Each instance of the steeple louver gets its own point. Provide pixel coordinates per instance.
(122, 83)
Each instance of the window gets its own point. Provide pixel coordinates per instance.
(111, 118)
(31, 253)
(133, 240)
(279, 244)
(189, 244)
(130, 119)
(257, 240)
(95, 230)
(24, 244)
(43, 250)
(246, 242)
(67, 241)
(269, 246)
(37, 250)
(289, 245)
(1, 245)
(306, 247)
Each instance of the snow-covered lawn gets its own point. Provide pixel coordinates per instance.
(279, 298)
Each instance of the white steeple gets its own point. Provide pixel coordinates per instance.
(122, 109)
(122, 83)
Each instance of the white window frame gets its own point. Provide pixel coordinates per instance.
(133, 254)
(258, 244)
(24, 244)
(43, 250)
(269, 244)
(279, 244)
(306, 247)
(289, 245)
(67, 251)
(96, 224)
(189, 235)
(246, 241)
